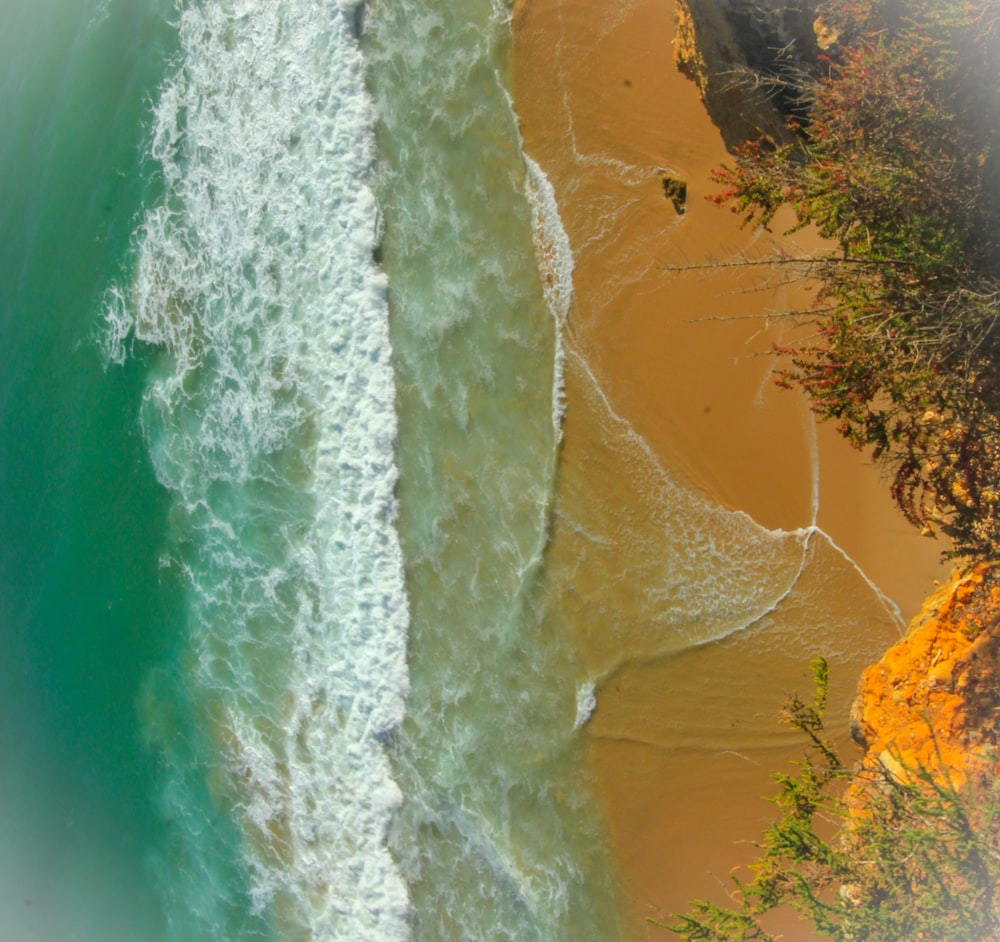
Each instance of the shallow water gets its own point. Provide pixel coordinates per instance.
(497, 836)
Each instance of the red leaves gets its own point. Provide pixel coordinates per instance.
(891, 164)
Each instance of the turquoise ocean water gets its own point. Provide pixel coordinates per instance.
(278, 438)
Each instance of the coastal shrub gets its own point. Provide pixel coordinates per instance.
(896, 160)
(911, 856)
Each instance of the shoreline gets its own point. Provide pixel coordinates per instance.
(683, 359)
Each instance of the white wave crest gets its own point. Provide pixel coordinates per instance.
(555, 262)
(586, 703)
(270, 416)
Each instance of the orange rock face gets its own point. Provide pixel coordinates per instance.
(933, 701)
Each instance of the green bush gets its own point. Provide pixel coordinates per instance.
(897, 161)
(912, 857)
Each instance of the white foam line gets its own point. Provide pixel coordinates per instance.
(556, 263)
(647, 450)
(813, 439)
(552, 251)
(890, 606)
(630, 174)
(804, 535)
(666, 649)
(592, 684)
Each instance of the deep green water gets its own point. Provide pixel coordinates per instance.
(84, 613)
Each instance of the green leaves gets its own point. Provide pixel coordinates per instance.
(899, 856)
(897, 164)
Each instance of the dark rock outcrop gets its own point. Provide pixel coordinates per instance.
(744, 57)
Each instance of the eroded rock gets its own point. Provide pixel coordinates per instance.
(933, 700)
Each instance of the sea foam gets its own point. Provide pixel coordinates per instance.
(497, 832)
(555, 262)
(270, 417)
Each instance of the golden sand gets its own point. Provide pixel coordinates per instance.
(674, 425)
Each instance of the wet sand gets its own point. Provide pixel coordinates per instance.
(670, 397)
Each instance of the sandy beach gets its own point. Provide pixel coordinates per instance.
(670, 392)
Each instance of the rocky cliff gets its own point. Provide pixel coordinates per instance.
(743, 56)
(933, 700)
